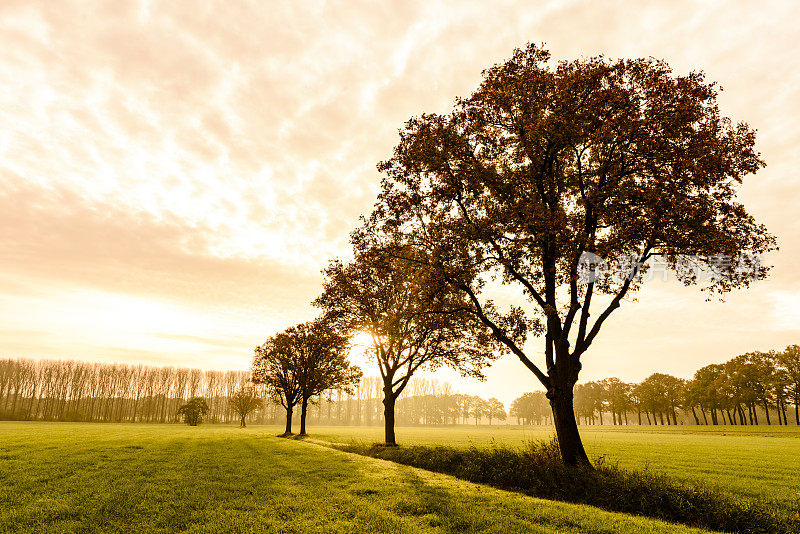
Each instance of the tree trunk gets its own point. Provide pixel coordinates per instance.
(766, 411)
(303, 411)
(289, 420)
(569, 439)
(242, 423)
(796, 414)
(388, 419)
(696, 420)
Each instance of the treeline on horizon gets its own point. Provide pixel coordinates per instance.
(735, 393)
(749, 389)
(53, 390)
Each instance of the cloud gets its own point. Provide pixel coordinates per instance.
(214, 157)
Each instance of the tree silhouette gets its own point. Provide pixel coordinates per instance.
(496, 410)
(415, 320)
(789, 360)
(277, 365)
(322, 362)
(193, 411)
(245, 401)
(542, 166)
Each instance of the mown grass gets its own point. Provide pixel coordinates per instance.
(76, 477)
(537, 470)
(758, 463)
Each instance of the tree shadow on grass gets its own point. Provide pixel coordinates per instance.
(437, 506)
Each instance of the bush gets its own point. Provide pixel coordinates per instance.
(537, 470)
(193, 411)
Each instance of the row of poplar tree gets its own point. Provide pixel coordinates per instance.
(753, 388)
(52, 390)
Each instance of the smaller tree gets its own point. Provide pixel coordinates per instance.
(323, 363)
(193, 411)
(496, 410)
(789, 360)
(245, 401)
(277, 365)
(480, 409)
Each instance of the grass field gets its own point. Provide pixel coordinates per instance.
(76, 477)
(753, 462)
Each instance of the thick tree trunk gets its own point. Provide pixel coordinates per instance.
(569, 439)
(289, 420)
(388, 418)
(242, 423)
(303, 412)
(796, 414)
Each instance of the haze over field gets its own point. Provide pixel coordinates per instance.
(173, 179)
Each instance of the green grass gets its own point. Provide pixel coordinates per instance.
(752, 462)
(76, 477)
(537, 470)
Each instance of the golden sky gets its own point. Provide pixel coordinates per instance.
(174, 175)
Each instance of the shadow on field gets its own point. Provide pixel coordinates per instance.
(537, 470)
(436, 505)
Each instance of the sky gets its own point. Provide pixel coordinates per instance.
(174, 175)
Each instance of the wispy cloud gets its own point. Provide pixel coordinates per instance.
(213, 157)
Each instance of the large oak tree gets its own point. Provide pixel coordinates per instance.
(544, 164)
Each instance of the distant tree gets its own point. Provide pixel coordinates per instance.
(789, 361)
(588, 400)
(323, 362)
(277, 365)
(480, 408)
(543, 165)
(617, 397)
(690, 399)
(763, 377)
(530, 407)
(414, 319)
(193, 411)
(245, 401)
(708, 381)
(496, 410)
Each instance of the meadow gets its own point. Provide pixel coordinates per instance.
(79, 477)
(758, 462)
